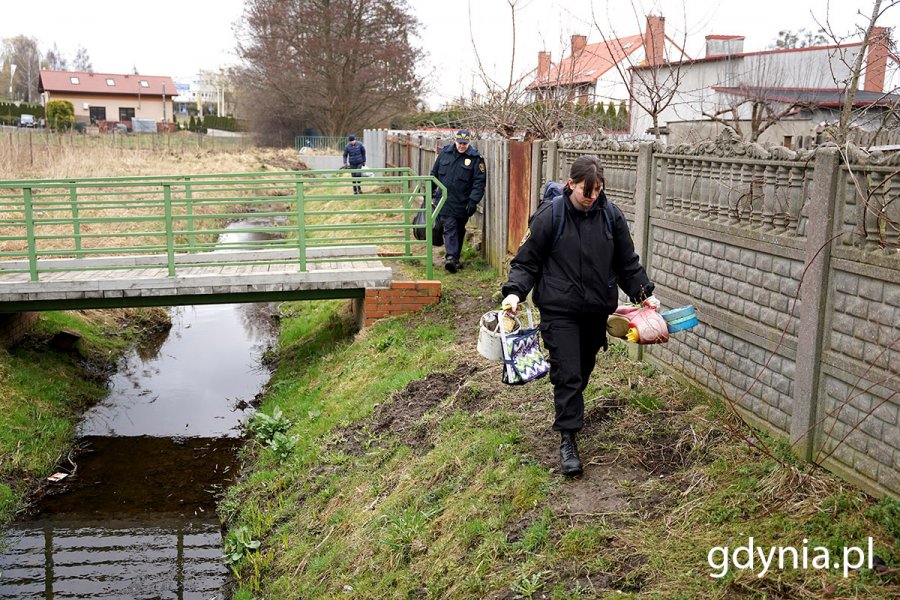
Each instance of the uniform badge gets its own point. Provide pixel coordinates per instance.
(525, 237)
(481, 167)
(468, 162)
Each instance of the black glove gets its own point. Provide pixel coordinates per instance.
(471, 207)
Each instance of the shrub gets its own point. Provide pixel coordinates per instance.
(60, 114)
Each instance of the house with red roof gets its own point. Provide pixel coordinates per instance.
(110, 97)
(595, 73)
(784, 96)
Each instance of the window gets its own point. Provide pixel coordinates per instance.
(126, 114)
(74, 80)
(145, 83)
(110, 82)
(98, 113)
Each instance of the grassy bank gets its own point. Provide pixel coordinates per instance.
(408, 470)
(43, 391)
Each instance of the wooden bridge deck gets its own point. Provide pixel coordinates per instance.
(200, 279)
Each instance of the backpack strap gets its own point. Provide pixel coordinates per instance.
(558, 218)
(608, 217)
(558, 215)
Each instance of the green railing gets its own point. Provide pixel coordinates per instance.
(184, 215)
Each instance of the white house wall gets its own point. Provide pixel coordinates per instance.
(808, 69)
(611, 85)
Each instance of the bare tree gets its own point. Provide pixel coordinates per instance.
(54, 59)
(23, 52)
(335, 65)
(651, 86)
(750, 100)
(535, 104)
(82, 61)
(856, 73)
(873, 37)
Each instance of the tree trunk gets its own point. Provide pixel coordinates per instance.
(847, 110)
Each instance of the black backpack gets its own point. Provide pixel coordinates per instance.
(553, 195)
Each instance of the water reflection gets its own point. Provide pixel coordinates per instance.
(195, 383)
(137, 519)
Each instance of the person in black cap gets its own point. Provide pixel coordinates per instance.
(355, 157)
(460, 168)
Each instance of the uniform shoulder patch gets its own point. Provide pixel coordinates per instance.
(481, 166)
(526, 236)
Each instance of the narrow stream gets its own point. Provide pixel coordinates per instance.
(137, 519)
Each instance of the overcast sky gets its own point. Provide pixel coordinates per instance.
(177, 38)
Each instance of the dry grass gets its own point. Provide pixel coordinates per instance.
(58, 162)
(50, 161)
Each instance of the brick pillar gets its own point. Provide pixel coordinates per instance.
(14, 326)
(814, 299)
(403, 297)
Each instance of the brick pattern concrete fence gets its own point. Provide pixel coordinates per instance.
(792, 261)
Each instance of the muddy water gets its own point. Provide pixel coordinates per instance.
(137, 518)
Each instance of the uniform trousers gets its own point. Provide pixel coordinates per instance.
(573, 341)
(454, 234)
(357, 188)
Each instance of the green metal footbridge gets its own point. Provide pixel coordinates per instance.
(206, 239)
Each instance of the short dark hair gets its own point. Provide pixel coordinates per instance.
(588, 169)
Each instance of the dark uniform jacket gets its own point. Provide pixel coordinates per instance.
(465, 178)
(579, 273)
(354, 154)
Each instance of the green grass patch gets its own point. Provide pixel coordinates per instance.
(459, 502)
(43, 392)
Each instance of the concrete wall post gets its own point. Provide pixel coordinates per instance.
(814, 300)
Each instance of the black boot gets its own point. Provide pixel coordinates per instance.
(569, 461)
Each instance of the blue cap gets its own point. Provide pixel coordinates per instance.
(463, 136)
(351, 137)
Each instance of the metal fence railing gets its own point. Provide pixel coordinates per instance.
(38, 139)
(320, 142)
(180, 216)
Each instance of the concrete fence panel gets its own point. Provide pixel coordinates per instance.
(792, 261)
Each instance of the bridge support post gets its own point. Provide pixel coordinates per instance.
(358, 310)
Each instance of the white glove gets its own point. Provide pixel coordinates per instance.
(511, 303)
(652, 302)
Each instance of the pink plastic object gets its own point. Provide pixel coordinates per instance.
(648, 325)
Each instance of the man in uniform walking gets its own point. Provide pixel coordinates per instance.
(355, 158)
(461, 169)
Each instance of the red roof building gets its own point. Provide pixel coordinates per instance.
(590, 73)
(109, 96)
